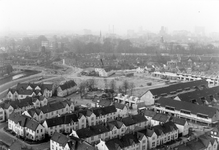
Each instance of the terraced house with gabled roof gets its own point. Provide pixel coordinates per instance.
(19, 106)
(26, 127)
(62, 142)
(66, 88)
(51, 110)
(65, 123)
(23, 90)
(126, 142)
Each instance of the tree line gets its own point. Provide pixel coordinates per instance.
(110, 88)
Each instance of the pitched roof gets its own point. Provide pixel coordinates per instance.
(197, 95)
(65, 119)
(68, 84)
(149, 113)
(119, 105)
(73, 142)
(202, 142)
(92, 131)
(179, 121)
(165, 128)
(193, 108)
(24, 121)
(128, 121)
(49, 107)
(147, 132)
(161, 117)
(60, 138)
(175, 87)
(32, 124)
(105, 102)
(124, 142)
(116, 123)
(139, 118)
(104, 110)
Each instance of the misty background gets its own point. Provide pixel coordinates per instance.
(107, 15)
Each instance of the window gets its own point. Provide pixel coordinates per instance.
(170, 108)
(37, 131)
(185, 112)
(153, 138)
(144, 141)
(92, 118)
(41, 130)
(143, 147)
(82, 120)
(106, 133)
(153, 144)
(115, 132)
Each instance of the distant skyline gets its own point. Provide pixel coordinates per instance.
(100, 15)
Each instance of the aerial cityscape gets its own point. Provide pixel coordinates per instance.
(109, 75)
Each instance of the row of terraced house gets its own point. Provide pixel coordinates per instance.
(47, 89)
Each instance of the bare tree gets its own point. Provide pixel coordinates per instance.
(125, 86)
(105, 83)
(91, 83)
(120, 89)
(82, 87)
(132, 86)
(112, 85)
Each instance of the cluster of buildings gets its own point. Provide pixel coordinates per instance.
(18, 106)
(29, 123)
(46, 89)
(186, 77)
(151, 95)
(163, 118)
(23, 90)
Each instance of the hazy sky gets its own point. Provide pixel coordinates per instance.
(100, 14)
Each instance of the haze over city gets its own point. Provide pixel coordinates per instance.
(106, 15)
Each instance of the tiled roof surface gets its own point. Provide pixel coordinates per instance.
(68, 84)
(119, 105)
(161, 117)
(104, 110)
(179, 121)
(175, 87)
(193, 108)
(92, 131)
(164, 128)
(24, 121)
(149, 113)
(124, 142)
(197, 95)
